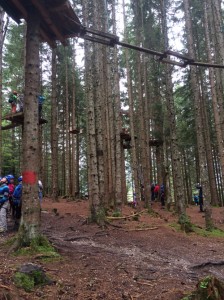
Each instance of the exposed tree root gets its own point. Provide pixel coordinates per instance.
(209, 263)
(5, 287)
(127, 217)
(143, 229)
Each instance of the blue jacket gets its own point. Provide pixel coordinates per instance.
(17, 195)
(4, 193)
(40, 99)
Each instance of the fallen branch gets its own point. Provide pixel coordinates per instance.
(145, 283)
(127, 217)
(143, 229)
(209, 263)
(5, 287)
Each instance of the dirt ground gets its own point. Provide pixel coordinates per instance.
(143, 259)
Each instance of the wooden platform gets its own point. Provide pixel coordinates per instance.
(16, 120)
(127, 146)
(58, 21)
(155, 142)
(75, 130)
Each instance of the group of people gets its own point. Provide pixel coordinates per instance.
(158, 193)
(11, 199)
(16, 100)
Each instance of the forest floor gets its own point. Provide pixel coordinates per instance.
(142, 259)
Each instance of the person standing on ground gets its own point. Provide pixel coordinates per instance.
(162, 195)
(196, 199)
(10, 183)
(153, 192)
(156, 191)
(4, 204)
(200, 196)
(17, 201)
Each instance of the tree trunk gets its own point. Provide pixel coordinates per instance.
(93, 179)
(134, 160)
(54, 130)
(30, 221)
(67, 134)
(3, 30)
(198, 121)
(120, 159)
(75, 192)
(175, 153)
(144, 143)
(215, 105)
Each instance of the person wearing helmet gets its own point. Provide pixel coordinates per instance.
(17, 201)
(13, 101)
(40, 104)
(40, 190)
(4, 202)
(10, 181)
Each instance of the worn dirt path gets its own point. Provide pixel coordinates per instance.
(119, 262)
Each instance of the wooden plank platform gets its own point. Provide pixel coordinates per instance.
(155, 142)
(75, 130)
(16, 120)
(58, 20)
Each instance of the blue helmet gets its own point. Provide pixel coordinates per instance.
(20, 178)
(9, 177)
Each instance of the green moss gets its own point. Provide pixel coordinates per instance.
(209, 288)
(135, 218)
(176, 226)
(201, 231)
(39, 245)
(153, 213)
(29, 281)
(10, 241)
(97, 216)
(185, 223)
(207, 233)
(116, 213)
(24, 281)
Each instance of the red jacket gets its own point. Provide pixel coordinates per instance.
(11, 188)
(156, 190)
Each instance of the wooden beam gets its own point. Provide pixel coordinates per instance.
(58, 7)
(43, 34)
(47, 39)
(20, 7)
(49, 21)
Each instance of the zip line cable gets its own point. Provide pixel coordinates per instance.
(112, 40)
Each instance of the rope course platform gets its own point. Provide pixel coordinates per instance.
(125, 135)
(17, 120)
(75, 130)
(155, 142)
(58, 21)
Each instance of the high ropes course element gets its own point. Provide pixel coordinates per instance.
(163, 57)
(58, 21)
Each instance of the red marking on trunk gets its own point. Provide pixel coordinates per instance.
(29, 177)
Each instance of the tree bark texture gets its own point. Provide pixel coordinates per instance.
(30, 221)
